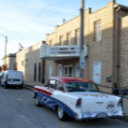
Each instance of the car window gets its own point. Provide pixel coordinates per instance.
(51, 83)
(80, 86)
(59, 86)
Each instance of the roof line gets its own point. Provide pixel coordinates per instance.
(121, 7)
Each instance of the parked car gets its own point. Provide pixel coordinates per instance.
(77, 98)
(1, 74)
(12, 78)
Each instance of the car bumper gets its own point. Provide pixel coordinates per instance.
(98, 115)
(14, 84)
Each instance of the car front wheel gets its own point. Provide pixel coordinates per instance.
(37, 102)
(60, 113)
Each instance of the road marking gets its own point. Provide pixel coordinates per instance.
(19, 99)
(20, 116)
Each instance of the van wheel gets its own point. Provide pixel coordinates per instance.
(21, 87)
(5, 86)
(61, 114)
(37, 102)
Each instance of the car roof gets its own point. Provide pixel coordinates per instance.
(70, 79)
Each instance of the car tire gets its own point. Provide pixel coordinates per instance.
(5, 85)
(37, 102)
(61, 114)
(2, 85)
(21, 87)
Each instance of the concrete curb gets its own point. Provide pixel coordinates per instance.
(28, 87)
(125, 118)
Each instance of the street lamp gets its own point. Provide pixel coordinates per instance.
(6, 40)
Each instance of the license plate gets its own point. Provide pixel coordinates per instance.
(101, 115)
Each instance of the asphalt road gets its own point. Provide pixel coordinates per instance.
(17, 110)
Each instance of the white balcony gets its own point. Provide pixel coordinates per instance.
(61, 52)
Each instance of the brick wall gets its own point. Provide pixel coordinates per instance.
(124, 52)
(26, 59)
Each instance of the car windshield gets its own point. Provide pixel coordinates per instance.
(80, 86)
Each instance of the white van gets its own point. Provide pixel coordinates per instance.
(12, 78)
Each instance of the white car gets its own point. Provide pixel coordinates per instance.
(12, 78)
(77, 98)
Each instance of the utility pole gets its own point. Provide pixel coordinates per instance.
(114, 1)
(82, 57)
(5, 51)
(6, 40)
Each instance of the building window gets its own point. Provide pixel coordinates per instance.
(60, 70)
(35, 71)
(50, 71)
(43, 71)
(78, 37)
(68, 70)
(97, 30)
(39, 72)
(69, 39)
(61, 40)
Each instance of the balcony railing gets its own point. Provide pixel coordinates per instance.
(61, 52)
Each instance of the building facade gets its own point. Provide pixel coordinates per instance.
(101, 40)
(9, 62)
(123, 72)
(30, 64)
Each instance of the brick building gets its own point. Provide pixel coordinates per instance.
(123, 56)
(105, 37)
(29, 63)
(9, 62)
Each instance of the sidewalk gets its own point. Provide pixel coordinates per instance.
(31, 85)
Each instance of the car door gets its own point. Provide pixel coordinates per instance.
(47, 94)
(59, 93)
(1, 75)
(3, 79)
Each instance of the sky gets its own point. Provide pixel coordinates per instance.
(28, 21)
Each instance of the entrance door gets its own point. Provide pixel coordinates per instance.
(97, 65)
(68, 70)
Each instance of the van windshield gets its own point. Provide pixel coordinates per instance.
(81, 86)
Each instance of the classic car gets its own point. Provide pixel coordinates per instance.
(77, 98)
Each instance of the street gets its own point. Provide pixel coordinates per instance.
(17, 110)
